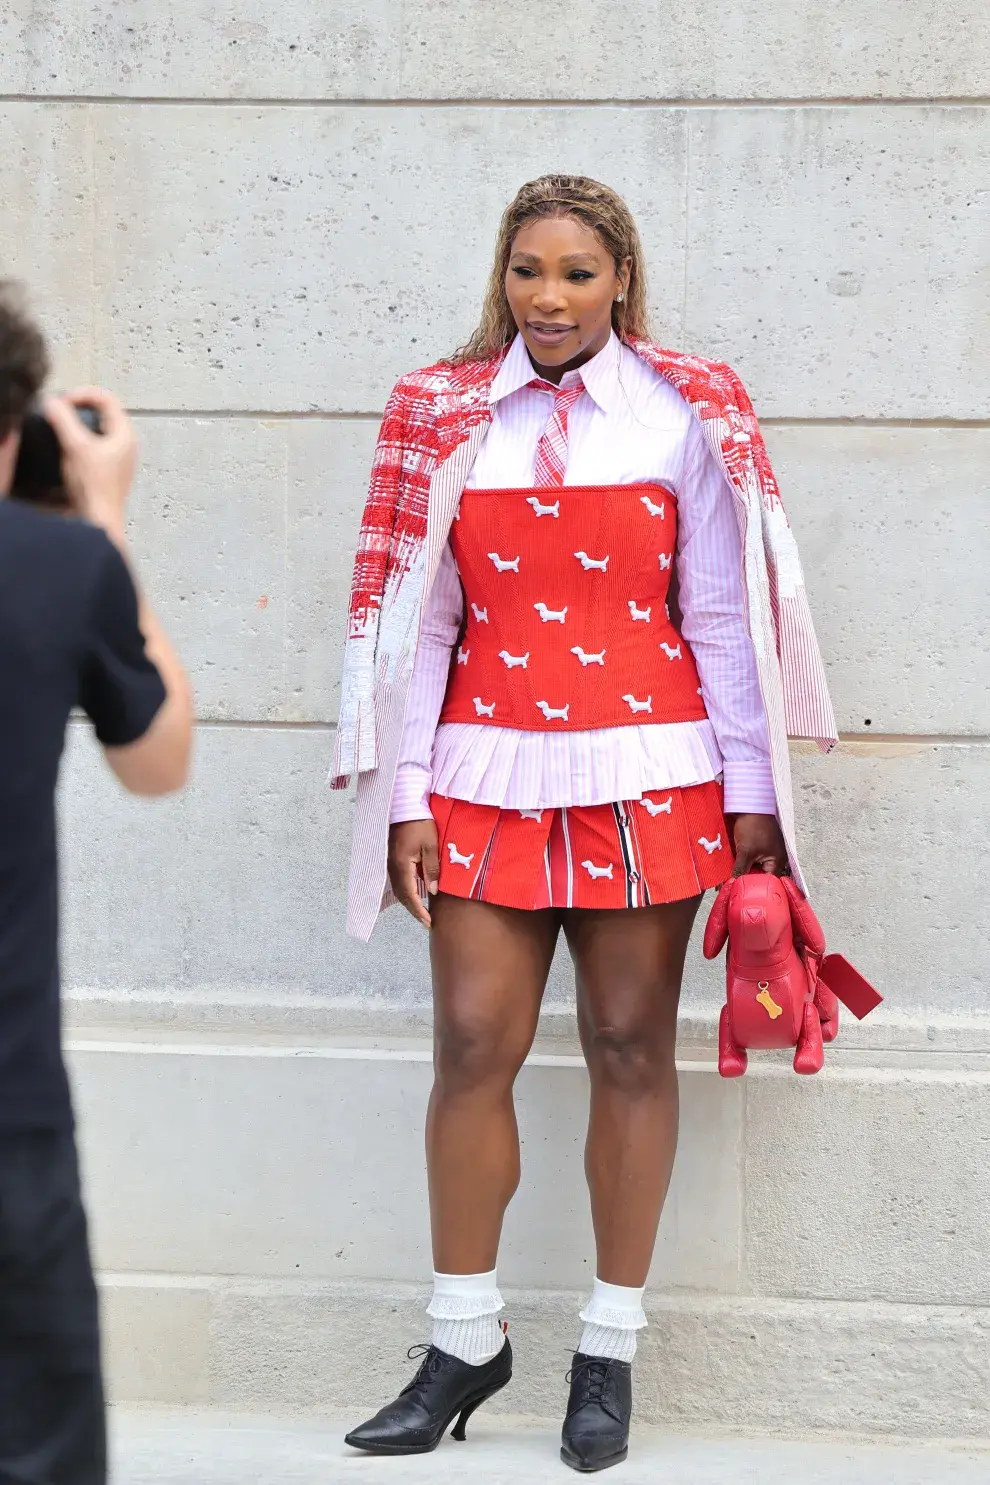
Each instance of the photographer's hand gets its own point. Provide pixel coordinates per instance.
(98, 468)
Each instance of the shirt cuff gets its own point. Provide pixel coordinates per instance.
(411, 794)
(749, 787)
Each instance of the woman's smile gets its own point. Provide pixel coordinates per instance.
(548, 334)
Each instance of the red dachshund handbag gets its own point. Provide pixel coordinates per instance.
(781, 988)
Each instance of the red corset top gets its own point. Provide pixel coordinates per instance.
(567, 627)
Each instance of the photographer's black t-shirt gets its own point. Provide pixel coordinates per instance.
(69, 636)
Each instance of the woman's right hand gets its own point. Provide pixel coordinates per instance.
(414, 862)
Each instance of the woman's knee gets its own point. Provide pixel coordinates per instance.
(634, 1056)
(474, 1049)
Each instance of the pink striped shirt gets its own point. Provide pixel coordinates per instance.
(630, 427)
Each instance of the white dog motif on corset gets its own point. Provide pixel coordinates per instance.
(595, 872)
(544, 510)
(640, 613)
(587, 659)
(552, 713)
(456, 859)
(536, 815)
(514, 661)
(652, 808)
(672, 654)
(665, 562)
(502, 564)
(711, 846)
(483, 710)
(549, 615)
(590, 564)
(481, 614)
(639, 706)
(654, 510)
(462, 656)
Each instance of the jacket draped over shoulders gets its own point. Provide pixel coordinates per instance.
(433, 427)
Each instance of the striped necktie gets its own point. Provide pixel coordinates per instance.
(551, 452)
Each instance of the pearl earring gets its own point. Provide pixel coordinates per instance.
(619, 297)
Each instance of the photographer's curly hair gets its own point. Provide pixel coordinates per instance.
(588, 202)
(23, 357)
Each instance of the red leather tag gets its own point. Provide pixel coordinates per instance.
(846, 982)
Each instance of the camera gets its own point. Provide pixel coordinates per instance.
(38, 473)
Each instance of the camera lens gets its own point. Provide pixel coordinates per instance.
(38, 475)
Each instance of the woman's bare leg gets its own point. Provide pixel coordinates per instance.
(490, 967)
(629, 966)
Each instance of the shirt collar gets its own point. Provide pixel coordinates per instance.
(600, 375)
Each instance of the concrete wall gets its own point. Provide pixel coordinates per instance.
(250, 226)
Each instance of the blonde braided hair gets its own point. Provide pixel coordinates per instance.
(595, 206)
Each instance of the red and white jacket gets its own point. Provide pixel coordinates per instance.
(435, 422)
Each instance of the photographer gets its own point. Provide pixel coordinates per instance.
(73, 631)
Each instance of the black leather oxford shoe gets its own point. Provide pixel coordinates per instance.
(421, 1414)
(596, 1429)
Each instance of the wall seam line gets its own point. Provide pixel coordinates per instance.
(112, 100)
(857, 739)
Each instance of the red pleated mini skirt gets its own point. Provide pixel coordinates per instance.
(671, 844)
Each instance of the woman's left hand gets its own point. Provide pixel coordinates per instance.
(759, 845)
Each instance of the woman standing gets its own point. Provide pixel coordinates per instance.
(541, 746)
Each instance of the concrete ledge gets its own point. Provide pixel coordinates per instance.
(252, 1014)
(869, 1182)
(295, 1161)
(157, 1338)
(285, 1160)
(705, 1362)
(259, 1209)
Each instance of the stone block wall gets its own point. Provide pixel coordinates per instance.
(249, 220)
(249, 223)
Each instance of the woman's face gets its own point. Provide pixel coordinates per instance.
(561, 284)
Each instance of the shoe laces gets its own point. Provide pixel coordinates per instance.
(594, 1371)
(431, 1361)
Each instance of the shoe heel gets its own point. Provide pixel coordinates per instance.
(462, 1422)
(460, 1426)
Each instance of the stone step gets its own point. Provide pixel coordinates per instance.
(706, 1361)
(259, 1210)
(201, 1448)
(302, 1158)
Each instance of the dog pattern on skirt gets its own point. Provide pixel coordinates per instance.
(671, 844)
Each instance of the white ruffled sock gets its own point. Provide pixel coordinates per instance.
(465, 1310)
(611, 1319)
